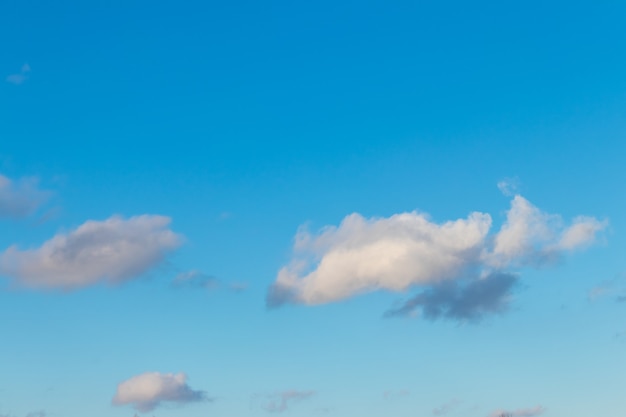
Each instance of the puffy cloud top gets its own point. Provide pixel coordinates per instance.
(110, 251)
(147, 391)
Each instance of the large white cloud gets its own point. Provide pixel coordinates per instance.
(409, 250)
(109, 251)
(20, 198)
(147, 391)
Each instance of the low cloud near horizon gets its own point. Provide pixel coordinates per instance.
(464, 270)
(111, 251)
(148, 391)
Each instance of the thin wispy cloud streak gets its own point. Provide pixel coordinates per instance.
(195, 280)
(280, 402)
(466, 271)
(446, 408)
(522, 412)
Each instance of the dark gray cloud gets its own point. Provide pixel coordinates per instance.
(461, 301)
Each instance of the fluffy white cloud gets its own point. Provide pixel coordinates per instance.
(383, 253)
(522, 412)
(110, 251)
(530, 236)
(408, 250)
(147, 391)
(20, 198)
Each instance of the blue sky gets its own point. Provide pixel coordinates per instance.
(249, 209)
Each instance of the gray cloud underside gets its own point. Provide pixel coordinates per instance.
(461, 300)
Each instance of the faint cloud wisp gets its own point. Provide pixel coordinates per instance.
(20, 77)
(280, 402)
(522, 412)
(20, 198)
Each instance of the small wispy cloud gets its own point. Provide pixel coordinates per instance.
(509, 186)
(199, 280)
(620, 336)
(40, 413)
(19, 77)
(615, 288)
(195, 279)
(238, 286)
(521, 412)
(20, 198)
(393, 394)
(446, 408)
(281, 401)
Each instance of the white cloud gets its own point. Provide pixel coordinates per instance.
(110, 251)
(20, 77)
(147, 391)
(522, 412)
(409, 250)
(20, 198)
(279, 402)
(392, 253)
